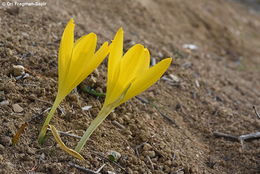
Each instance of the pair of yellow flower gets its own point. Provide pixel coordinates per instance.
(129, 74)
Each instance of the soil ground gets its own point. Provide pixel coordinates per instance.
(217, 84)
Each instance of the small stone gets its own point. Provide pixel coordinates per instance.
(2, 147)
(160, 54)
(126, 118)
(9, 52)
(31, 151)
(197, 83)
(93, 79)
(190, 46)
(113, 155)
(5, 102)
(153, 61)
(174, 78)
(168, 162)
(112, 116)
(120, 120)
(151, 153)
(18, 70)
(96, 72)
(17, 108)
(144, 135)
(109, 172)
(147, 147)
(86, 108)
(5, 140)
(129, 170)
(26, 35)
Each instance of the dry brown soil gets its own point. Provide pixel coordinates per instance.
(216, 88)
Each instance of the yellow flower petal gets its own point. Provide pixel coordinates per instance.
(90, 66)
(129, 64)
(116, 52)
(144, 63)
(82, 56)
(147, 79)
(65, 51)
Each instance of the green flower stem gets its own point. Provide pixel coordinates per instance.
(104, 112)
(102, 115)
(48, 119)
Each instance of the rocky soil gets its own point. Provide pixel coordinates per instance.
(211, 86)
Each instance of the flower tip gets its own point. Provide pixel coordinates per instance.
(93, 35)
(120, 31)
(105, 44)
(71, 21)
(168, 60)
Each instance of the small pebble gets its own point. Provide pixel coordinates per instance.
(126, 118)
(190, 46)
(5, 140)
(147, 147)
(150, 153)
(2, 147)
(197, 83)
(174, 78)
(86, 108)
(160, 55)
(31, 151)
(109, 172)
(120, 120)
(17, 108)
(5, 102)
(153, 61)
(18, 70)
(112, 116)
(113, 155)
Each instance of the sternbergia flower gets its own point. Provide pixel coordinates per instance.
(128, 76)
(76, 61)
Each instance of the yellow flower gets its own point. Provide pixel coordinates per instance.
(76, 61)
(128, 76)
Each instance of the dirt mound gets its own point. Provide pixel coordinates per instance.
(211, 86)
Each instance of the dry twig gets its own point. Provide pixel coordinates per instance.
(68, 134)
(240, 138)
(150, 161)
(83, 169)
(256, 113)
